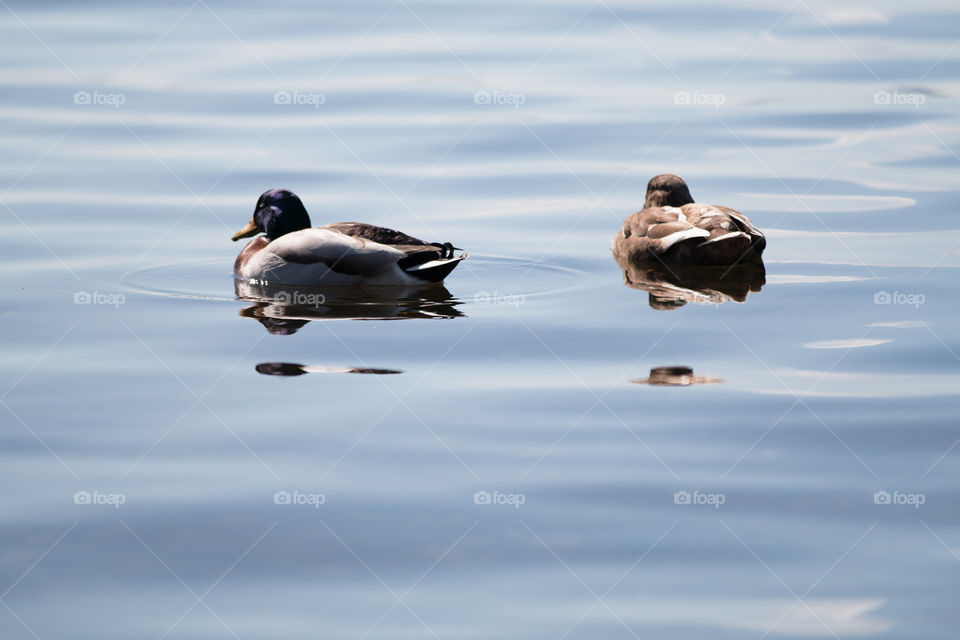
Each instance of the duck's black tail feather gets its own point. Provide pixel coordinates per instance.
(434, 270)
(446, 249)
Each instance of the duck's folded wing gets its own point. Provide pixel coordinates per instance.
(731, 235)
(341, 253)
(381, 235)
(742, 222)
(720, 220)
(657, 229)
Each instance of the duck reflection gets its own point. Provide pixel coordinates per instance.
(285, 310)
(672, 286)
(291, 369)
(675, 377)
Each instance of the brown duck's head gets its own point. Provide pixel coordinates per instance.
(667, 190)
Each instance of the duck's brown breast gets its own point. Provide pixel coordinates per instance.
(247, 252)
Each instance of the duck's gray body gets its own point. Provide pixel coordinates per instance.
(291, 252)
(326, 257)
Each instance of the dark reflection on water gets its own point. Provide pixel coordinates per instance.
(675, 376)
(292, 369)
(672, 286)
(285, 310)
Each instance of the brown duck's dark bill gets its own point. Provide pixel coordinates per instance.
(246, 232)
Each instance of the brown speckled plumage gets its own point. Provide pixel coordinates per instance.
(671, 228)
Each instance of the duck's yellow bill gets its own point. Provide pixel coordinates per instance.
(246, 232)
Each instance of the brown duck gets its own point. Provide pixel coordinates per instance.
(672, 229)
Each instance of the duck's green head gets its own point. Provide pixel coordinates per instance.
(278, 212)
(667, 190)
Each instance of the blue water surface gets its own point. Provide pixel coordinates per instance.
(516, 475)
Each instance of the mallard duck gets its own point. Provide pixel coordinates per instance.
(672, 229)
(293, 369)
(291, 252)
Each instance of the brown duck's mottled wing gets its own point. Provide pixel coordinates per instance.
(691, 234)
(641, 222)
(719, 220)
(377, 234)
(648, 234)
(732, 237)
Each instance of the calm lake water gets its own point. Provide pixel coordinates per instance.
(169, 470)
